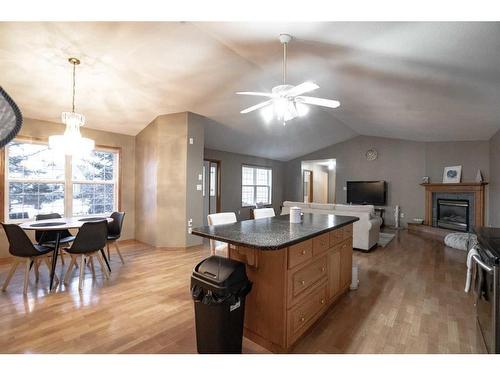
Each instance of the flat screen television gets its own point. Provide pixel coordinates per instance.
(367, 192)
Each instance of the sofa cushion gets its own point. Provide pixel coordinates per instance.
(355, 207)
(296, 204)
(322, 206)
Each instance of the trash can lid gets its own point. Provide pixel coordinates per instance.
(223, 272)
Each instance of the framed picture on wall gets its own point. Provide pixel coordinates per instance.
(452, 175)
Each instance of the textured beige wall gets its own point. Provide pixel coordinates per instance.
(146, 171)
(171, 189)
(166, 171)
(43, 129)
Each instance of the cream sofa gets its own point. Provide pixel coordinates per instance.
(365, 231)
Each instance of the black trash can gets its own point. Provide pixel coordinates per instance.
(219, 287)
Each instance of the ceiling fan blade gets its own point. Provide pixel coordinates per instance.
(257, 106)
(255, 93)
(302, 89)
(319, 101)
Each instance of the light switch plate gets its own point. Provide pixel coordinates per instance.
(200, 177)
(199, 187)
(191, 141)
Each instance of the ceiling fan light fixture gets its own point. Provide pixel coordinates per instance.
(267, 113)
(302, 109)
(287, 100)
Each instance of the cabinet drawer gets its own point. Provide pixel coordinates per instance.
(303, 315)
(345, 263)
(336, 236)
(305, 277)
(321, 243)
(347, 232)
(299, 253)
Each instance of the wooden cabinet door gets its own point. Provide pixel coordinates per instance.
(333, 272)
(345, 263)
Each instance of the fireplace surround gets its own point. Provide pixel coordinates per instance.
(471, 192)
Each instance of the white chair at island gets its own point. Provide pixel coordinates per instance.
(260, 213)
(217, 247)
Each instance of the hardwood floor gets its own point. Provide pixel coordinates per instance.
(410, 300)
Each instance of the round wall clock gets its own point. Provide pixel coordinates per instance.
(371, 154)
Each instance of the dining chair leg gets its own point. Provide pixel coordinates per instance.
(69, 271)
(118, 251)
(47, 263)
(104, 270)
(82, 270)
(36, 264)
(11, 273)
(107, 247)
(91, 264)
(103, 253)
(26, 275)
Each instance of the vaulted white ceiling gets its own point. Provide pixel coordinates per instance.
(417, 81)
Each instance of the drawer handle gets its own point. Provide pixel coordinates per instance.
(303, 252)
(302, 318)
(302, 282)
(323, 269)
(322, 301)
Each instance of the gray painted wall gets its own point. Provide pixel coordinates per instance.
(231, 180)
(401, 163)
(194, 169)
(494, 180)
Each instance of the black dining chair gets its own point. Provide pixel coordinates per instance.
(21, 247)
(115, 231)
(48, 238)
(89, 242)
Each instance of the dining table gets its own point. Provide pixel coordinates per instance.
(58, 226)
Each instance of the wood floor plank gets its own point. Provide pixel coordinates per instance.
(410, 300)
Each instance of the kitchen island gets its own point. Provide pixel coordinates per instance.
(298, 271)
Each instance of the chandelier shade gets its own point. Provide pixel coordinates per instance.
(72, 142)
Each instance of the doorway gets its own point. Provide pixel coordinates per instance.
(318, 181)
(211, 188)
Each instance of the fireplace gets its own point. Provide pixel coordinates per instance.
(453, 214)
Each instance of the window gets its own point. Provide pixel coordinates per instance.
(256, 185)
(40, 181)
(94, 183)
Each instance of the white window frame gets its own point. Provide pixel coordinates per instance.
(67, 181)
(255, 186)
(115, 181)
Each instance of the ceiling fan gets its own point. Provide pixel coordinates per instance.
(286, 101)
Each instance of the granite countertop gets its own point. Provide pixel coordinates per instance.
(274, 233)
(489, 239)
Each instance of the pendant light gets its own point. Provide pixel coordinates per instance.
(72, 142)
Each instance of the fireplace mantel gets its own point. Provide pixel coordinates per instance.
(477, 188)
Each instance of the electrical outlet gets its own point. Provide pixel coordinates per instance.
(199, 187)
(344, 188)
(402, 214)
(191, 141)
(190, 230)
(200, 177)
